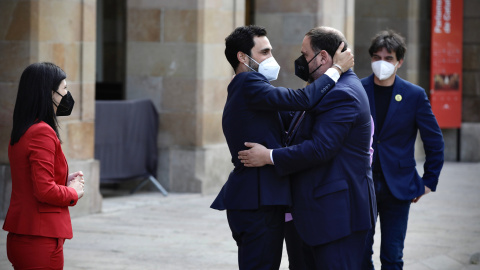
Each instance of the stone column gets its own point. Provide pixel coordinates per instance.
(470, 131)
(287, 22)
(62, 32)
(175, 57)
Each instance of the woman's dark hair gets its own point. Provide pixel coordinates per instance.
(34, 98)
(390, 40)
(326, 38)
(241, 40)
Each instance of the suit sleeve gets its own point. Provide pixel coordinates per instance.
(330, 129)
(42, 152)
(432, 142)
(264, 96)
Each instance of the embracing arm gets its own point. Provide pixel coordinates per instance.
(262, 95)
(330, 129)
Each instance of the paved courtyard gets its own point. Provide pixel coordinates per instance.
(150, 231)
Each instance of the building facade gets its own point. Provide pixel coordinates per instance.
(172, 52)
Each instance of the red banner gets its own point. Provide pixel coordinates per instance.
(446, 62)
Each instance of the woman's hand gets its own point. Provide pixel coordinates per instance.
(77, 183)
(73, 175)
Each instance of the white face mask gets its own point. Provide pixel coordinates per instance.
(268, 68)
(383, 69)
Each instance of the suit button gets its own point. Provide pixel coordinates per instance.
(378, 141)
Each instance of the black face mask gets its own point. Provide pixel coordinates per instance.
(301, 67)
(66, 105)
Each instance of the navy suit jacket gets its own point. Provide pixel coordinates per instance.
(329, 163)
(395, 143)
(251, 115)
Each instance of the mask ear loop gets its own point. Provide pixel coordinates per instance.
(314, 57)
(315, 70)
(54, 100)
(250, 67)
(312, 60)
(253, 61)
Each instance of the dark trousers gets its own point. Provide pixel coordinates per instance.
(342, 254)
(259, 236)
(393, 214)
(294, 243)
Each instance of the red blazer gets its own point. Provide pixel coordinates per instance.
(40, 199)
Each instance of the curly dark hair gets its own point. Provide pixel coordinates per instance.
(390, 40)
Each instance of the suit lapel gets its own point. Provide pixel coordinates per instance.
(394, 103)
(294, 125)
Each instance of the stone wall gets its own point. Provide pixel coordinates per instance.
(470, 131)
(471, 62)
(62, 32)
(175, 57)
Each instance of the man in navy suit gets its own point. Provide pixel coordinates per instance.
(328, 163)
(399, 109)
(256, 198)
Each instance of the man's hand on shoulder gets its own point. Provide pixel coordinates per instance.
(257, 156)
(343, 61)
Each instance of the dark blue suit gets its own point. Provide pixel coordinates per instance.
(396, 179)
(331, 178)
(251, 115)
(395, 143)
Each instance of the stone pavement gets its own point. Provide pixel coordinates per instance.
(150, 231)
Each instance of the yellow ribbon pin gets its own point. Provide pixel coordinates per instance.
(398, 98)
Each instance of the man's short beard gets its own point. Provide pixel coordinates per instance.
(310, 79)
(253, 65)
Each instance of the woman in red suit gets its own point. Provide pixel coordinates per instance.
(38, 220)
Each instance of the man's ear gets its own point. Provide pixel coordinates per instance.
(241, 57)
(324, 57)
(400, 62)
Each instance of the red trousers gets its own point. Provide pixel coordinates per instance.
(34, 252)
